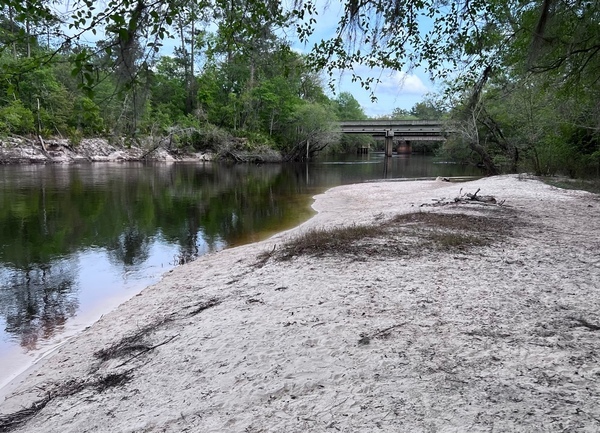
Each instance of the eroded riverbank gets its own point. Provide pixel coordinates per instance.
(21, 150)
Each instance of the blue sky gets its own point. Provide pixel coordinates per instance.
(395, 88)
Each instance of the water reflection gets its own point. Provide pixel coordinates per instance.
(71, 236)
(37, 302)
(126, 213)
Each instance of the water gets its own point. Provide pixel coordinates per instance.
(77, 240)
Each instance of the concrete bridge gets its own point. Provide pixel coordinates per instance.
(402, 131)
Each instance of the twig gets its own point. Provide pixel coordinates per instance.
(384, 331)
(585, 323)
(147, 350)
(206, 305)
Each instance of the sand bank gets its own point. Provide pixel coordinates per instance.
(401, 335)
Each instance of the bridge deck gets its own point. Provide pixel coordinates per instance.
(415, 130)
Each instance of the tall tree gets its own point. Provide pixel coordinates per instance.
(348, 108)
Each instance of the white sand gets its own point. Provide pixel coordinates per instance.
(491, 339)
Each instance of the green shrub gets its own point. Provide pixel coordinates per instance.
(75, 136)
(16, 119)
(255, 140)
(86, 116)
(207, 137)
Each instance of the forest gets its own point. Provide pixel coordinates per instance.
(519, 79)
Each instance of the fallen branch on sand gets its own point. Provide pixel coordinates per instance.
(384, 333)
(467, 198)
(14, 420)
(148, 349)
(17, 419)
(584, 323)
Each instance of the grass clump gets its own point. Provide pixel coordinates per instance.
(339, 240)
(589, 185)
(405, 234)
(454, 231)
(449, 241)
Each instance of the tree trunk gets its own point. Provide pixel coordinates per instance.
(470, 110)
(489, 165)
(494, 129)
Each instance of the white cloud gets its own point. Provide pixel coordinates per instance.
(391, 88)
(404, 83)
(395, 89)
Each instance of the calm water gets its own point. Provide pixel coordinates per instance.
(76, 240)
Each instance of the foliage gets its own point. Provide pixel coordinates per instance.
(428, 109)
(242, 80)
(348, 108)
(309, 131)
(350, 143)
(499, 59)
(492, 56)
(86, 116)
(398, 114)
(198, 138)
(15, 118)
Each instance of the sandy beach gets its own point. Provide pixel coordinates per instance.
(450, 316)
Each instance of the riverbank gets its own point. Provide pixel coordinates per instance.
(385, 311)
(24, 150)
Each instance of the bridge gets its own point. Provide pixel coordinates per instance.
(402, 131)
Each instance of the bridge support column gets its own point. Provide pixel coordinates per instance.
(389, 142)
(404, 148)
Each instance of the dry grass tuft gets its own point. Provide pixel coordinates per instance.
(455, 231)
(112, 380)
(414, 234)
(340, 240)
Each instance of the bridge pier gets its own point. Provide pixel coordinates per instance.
(404, 148)
(389, 142)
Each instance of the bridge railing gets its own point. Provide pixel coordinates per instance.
(400, 128)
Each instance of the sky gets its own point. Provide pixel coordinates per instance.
(396, 89)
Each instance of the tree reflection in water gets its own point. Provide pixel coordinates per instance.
(130, 248)
(37, 302)
(51, 216)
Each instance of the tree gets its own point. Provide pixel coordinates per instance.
(398, 114)
(310, 130)
(427, 110)
(474, 45)
(348, 108)
(481, 48)
(168, 89)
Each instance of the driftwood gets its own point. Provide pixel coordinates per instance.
(474, 197)
(467, 198)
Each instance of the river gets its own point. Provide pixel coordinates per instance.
(78, 240)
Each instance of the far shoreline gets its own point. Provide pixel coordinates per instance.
(17, 150)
